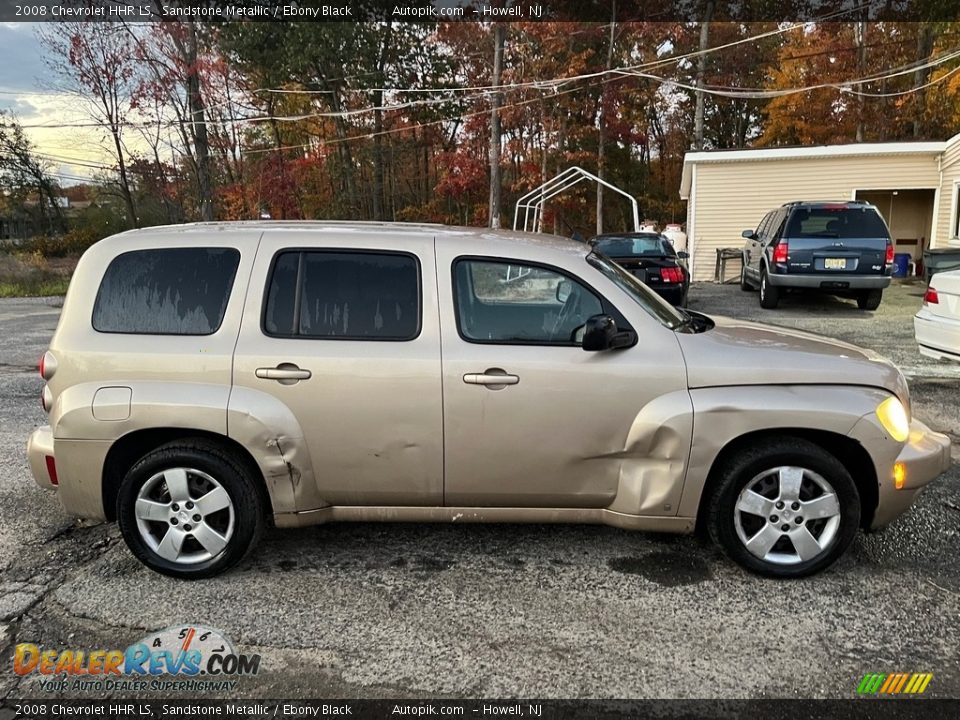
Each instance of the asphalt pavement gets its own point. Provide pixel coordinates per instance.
(388, 610)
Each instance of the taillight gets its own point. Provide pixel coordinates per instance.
(889, 258)
(52, 469)
(781, 251)
(931, 297)
(671, 275)
(46, 398)
(47, 365)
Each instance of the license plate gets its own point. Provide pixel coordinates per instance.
(835, 263)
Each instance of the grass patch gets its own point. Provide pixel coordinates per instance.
(30, 275)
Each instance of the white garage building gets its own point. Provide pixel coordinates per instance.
(913, 184)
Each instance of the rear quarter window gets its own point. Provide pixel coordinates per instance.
(169, 291)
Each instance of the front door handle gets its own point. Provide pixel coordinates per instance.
(493, 377)
(286, 373)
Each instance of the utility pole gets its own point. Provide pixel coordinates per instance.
(601, 130)
(701, 70)
(499, 31)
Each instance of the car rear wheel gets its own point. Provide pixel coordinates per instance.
(785, 509)
(769, 294)
(189, 510)
(744, 283)
(869, 299)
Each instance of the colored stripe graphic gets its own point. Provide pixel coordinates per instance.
(894, 683)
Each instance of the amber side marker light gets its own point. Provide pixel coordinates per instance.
(899, 475)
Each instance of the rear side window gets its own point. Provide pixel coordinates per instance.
(336, 295)
(840, 222)
(173, 291)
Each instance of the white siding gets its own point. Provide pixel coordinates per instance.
(947, 210)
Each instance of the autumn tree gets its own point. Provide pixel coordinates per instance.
(96, 63)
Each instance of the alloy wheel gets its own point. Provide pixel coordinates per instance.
(184, 515)
(787, 515)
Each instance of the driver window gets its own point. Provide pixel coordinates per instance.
(502, 302)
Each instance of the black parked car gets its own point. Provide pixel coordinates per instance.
(842, 248)
(651, 258)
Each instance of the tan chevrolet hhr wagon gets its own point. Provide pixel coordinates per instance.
(205, 378)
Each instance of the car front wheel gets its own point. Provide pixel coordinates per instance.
(785, 508)
(190, 510)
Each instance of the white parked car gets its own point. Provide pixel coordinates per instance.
(937, 325)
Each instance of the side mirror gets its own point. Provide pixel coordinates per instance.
(683, 255)
(749, 235)
(600, 333)
(564, 288)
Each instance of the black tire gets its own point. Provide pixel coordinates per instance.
(769, 294)
(744, 468)
(869, 299)
(211, 459)
(744, 283)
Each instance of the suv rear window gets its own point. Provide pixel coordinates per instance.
(173, 291)
(337, 295)
(841, 222)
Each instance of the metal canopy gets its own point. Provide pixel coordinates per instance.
(531, 204)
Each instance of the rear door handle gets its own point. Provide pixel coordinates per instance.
(491, 377)
(284, 371)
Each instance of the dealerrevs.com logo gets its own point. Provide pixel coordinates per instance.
(179, 658)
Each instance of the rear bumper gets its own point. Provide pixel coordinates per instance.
(39, 448)
(673, 294)
(925, 457)
(830, 282)
(937, 337)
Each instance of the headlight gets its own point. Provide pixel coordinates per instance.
(893, 417)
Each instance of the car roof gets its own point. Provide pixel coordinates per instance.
(631, 234)
(829, 203)
(467, 237)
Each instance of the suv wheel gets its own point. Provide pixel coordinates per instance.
(769, 295)
(785, 509)
(189, 510)
(744, 284)
(869, 299)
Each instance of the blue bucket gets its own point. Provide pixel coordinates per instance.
(901, 265)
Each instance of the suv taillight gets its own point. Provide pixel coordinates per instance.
(889, 259)
(781, 251)
(931, 297)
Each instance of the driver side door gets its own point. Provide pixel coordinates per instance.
(530, 418)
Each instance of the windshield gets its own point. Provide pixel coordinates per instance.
(641, 294)
(631, 245)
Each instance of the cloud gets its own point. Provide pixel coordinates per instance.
(22, 67)
(21, 107)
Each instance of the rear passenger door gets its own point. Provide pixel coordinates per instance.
(343, 330)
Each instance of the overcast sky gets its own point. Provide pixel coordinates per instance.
(26, 88)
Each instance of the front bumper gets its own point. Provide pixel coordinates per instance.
(924, 457)
(39, 448)
(830, 282)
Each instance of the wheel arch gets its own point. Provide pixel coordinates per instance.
(129, 448)
(848, 451)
